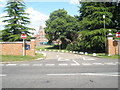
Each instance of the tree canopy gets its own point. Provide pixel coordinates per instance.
(16, 20)
(61, 26)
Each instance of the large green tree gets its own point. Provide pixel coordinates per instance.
(92, 36)
(16, 20)
(61, 26)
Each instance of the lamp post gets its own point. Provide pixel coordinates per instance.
(59, 40)
(105, 33)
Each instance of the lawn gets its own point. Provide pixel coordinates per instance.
(6, 58)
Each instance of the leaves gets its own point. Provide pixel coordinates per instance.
(16, 20)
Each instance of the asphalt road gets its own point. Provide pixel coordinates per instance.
(61, 70)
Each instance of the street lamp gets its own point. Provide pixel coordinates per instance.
(59, 40)
(105, 33)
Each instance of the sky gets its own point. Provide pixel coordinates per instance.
(39, 10)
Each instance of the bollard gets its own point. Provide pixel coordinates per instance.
(94, 54)
(86, 53)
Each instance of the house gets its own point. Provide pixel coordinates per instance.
(40, 37)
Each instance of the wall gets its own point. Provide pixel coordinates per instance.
(112, 46)
(16, 48)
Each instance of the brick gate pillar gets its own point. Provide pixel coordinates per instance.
(110, 47)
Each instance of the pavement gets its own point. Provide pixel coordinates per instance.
(61, 70)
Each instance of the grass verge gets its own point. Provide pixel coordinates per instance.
(102, 55)
(6, 58)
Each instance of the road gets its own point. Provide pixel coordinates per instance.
(61, 70)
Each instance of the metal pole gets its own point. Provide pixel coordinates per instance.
(23, 47)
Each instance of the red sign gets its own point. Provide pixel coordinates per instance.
(23, 36)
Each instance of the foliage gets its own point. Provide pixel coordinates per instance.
(87, 32)
(61, 26)
(93, 35)
(16, 20)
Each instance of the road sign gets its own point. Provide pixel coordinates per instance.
(23, 36)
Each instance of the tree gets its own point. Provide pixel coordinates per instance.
(61, 26)
(92, 36)
(16, 20)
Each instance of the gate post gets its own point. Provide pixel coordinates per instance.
(110, 44)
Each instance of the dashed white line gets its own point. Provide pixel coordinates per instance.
(11, 64)
(98, 64)
(49, 64)
(24, 64)
(3, 75)
(75, 64)
(86, 64)
(110, 63)
(67, 59)
(37, 65)
(88, 59)
(63, 64)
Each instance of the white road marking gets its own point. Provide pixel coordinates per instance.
(1, 64)
(57, 56)
(59, 59)
(111, 63)
(76, 62)
(98, 63)
(11, 64)
(63, 64)
(83, 74)
(24, 64)
(3, 75)
(86, 64)
(67, 59)
(49, 64)
(88, 59)
(37, 65)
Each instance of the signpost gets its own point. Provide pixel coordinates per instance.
(118, 35)
(23, 36)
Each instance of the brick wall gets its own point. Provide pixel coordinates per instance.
(16, 48)
(112, 46)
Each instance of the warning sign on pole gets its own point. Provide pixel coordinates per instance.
(118, 34)
(23, 36)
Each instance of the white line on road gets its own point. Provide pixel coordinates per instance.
(76, 62)
(86, 64)
(110, 63)
(11, 64)
(83, 74)
(37, 65)
(63, 64)
(24, 64)
(3, 75)
(98, 63)
(49, 64)
(67, 60)
(59, 59)
(88, 59)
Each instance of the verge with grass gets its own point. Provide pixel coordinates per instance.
(7, 58)
(102, 55)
